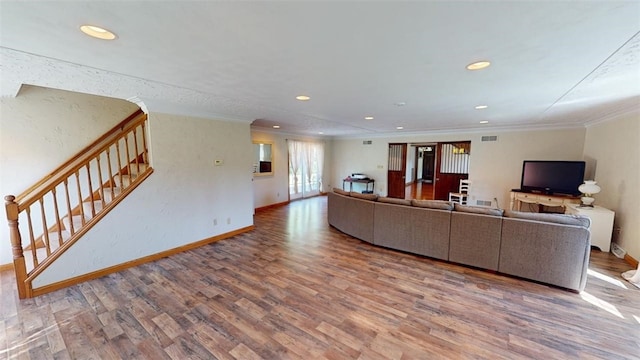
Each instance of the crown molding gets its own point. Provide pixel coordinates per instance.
(615, 116)
(470, 130)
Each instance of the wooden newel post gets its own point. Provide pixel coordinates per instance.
(16, 244)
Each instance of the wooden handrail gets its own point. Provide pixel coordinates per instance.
(67, 244)
(119, 126)
(79, 222)
(36, 192)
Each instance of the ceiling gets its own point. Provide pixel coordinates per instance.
(554, 64)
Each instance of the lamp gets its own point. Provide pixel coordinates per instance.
(588, 189)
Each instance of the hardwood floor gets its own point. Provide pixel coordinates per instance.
(296, 288)
(419, 191)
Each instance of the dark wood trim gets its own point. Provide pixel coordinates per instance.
(267, 207)
(112, 269)
(628, 258)
(88, 225)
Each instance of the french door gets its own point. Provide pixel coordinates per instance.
(306, 161)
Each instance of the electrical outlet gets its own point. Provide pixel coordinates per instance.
(218, 162)
(228, 221)
(215, 222)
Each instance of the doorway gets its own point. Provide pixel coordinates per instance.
(452, 165)
(441, 165)
(425, 163)
(306, 161)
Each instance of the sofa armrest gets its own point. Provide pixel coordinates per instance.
(555, 254)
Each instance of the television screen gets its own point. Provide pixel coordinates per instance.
(552, 177)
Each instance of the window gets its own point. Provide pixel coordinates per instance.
(306, 160)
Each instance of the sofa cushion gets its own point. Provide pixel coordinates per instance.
(389, 200)
(372, 197)
(478, 210)
(432, 204)
(340, 191)
(576, 220)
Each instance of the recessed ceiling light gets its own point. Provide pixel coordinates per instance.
(402, 103)
(480, 107)
(276, 126)
(368, 117)
(399, 127)
(484, 122)
(320, 133)
(97, 32)
(302, 97)
(478, 65)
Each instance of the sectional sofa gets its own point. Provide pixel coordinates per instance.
(548, 248)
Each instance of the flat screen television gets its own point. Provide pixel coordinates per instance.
(552, 177)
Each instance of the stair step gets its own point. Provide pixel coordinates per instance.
(111, 193)
(134, 168)
(126, 179)
(28, 257)
(54, 242)
(86, 206)
(77, 222)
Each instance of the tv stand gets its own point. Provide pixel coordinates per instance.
(518, 197)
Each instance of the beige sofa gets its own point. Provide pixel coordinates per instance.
(549, 248)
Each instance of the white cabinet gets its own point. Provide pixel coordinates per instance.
(601, 224)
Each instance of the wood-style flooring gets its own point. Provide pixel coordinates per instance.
(296, 288)
(419, 190)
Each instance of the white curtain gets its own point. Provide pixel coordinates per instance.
(306, 161)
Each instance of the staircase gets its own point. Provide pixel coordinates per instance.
(53, 214)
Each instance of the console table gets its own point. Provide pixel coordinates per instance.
(366, 181)
(517, 198)
(601, 224)
(601, 219)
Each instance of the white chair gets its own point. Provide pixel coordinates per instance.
(461, 196)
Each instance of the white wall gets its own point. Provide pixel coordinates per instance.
(495, 167)
(411, 158)
(178, 203)
(612, 152)
(274, 189)
(42, 128)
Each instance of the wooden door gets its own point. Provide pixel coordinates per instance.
(452, 165)
(397, 169)
(428, 165)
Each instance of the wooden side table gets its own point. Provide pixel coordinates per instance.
(366, 181)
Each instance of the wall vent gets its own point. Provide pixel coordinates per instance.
(618, 251)
(490, 138)
(367, 142)
(483, 202)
